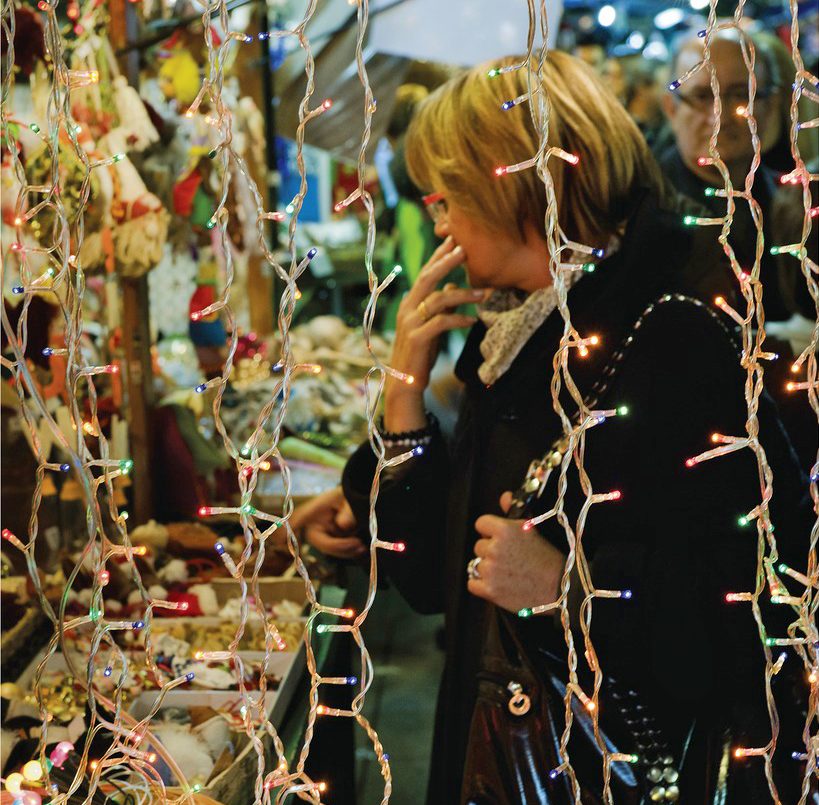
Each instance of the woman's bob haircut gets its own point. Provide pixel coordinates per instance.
(460, 134)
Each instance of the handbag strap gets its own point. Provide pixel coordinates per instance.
(540, 469)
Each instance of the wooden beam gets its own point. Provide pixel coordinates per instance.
(136, 333)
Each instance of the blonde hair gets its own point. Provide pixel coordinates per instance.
(459, 135)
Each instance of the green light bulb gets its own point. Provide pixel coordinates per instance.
(525, 613)
(622, 410)
(689, 220)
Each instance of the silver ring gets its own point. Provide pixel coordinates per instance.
(472, 568)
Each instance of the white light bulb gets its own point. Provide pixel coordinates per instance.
(668, 18)
(606, 16)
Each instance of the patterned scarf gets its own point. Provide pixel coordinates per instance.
(511, 317)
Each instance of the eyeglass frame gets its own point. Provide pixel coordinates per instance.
(435, 205)
(706, 102)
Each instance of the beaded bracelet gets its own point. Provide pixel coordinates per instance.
(410, 438)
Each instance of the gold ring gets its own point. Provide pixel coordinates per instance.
(422, 309)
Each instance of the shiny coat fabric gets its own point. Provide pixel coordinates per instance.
(675, 650)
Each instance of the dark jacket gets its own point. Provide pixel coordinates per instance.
(743, 230)
(672, 538)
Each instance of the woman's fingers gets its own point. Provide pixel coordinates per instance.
(439, 324)
(432, 273)
(339, 547)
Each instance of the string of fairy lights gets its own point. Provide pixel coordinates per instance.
(802, 633)
(134, 749)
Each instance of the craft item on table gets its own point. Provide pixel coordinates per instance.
(134, 597)
(174, 571)
(158, 592)
(190, 539)
(188, 750)
(214, 637)
(167, 646)
(215, 733)
(231, 611)
(152, 534)
(249, 345)
(211, 677)
(206, 596)
(191, 603)
(287, 609)
(177, 364)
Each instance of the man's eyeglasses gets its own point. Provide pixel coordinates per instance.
(703, 100)
(436, 206)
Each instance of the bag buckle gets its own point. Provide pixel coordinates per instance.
(519, 704)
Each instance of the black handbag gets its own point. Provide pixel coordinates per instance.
(513, 750)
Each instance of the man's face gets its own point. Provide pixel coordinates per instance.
(690, 110)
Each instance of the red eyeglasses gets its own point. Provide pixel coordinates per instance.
(436, 206)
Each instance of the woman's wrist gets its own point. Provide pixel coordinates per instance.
(404, 412)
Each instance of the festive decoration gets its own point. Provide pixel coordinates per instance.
(72, 181)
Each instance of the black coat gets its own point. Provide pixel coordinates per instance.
(672, 538)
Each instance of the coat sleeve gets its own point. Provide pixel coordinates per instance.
(411, 508)
(674, 538)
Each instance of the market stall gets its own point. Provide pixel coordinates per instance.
(207, 230)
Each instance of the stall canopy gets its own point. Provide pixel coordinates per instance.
(401, 37)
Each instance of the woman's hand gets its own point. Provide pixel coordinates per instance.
(423, 315)
(517, 568)
(329, 525)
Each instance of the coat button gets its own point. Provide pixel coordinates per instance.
(670, 775)
(672, 793)
(509, 415)
(657, 793)
(654, 775)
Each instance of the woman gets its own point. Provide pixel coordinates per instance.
(672, 539)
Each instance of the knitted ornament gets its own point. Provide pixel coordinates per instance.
(179, 78)
(207, 331)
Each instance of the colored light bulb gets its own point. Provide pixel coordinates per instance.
(14, 783)
(218, 547)
(33, 771)
(65, 467)
(312, 253)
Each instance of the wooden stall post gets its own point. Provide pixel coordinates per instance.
(136, 333)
